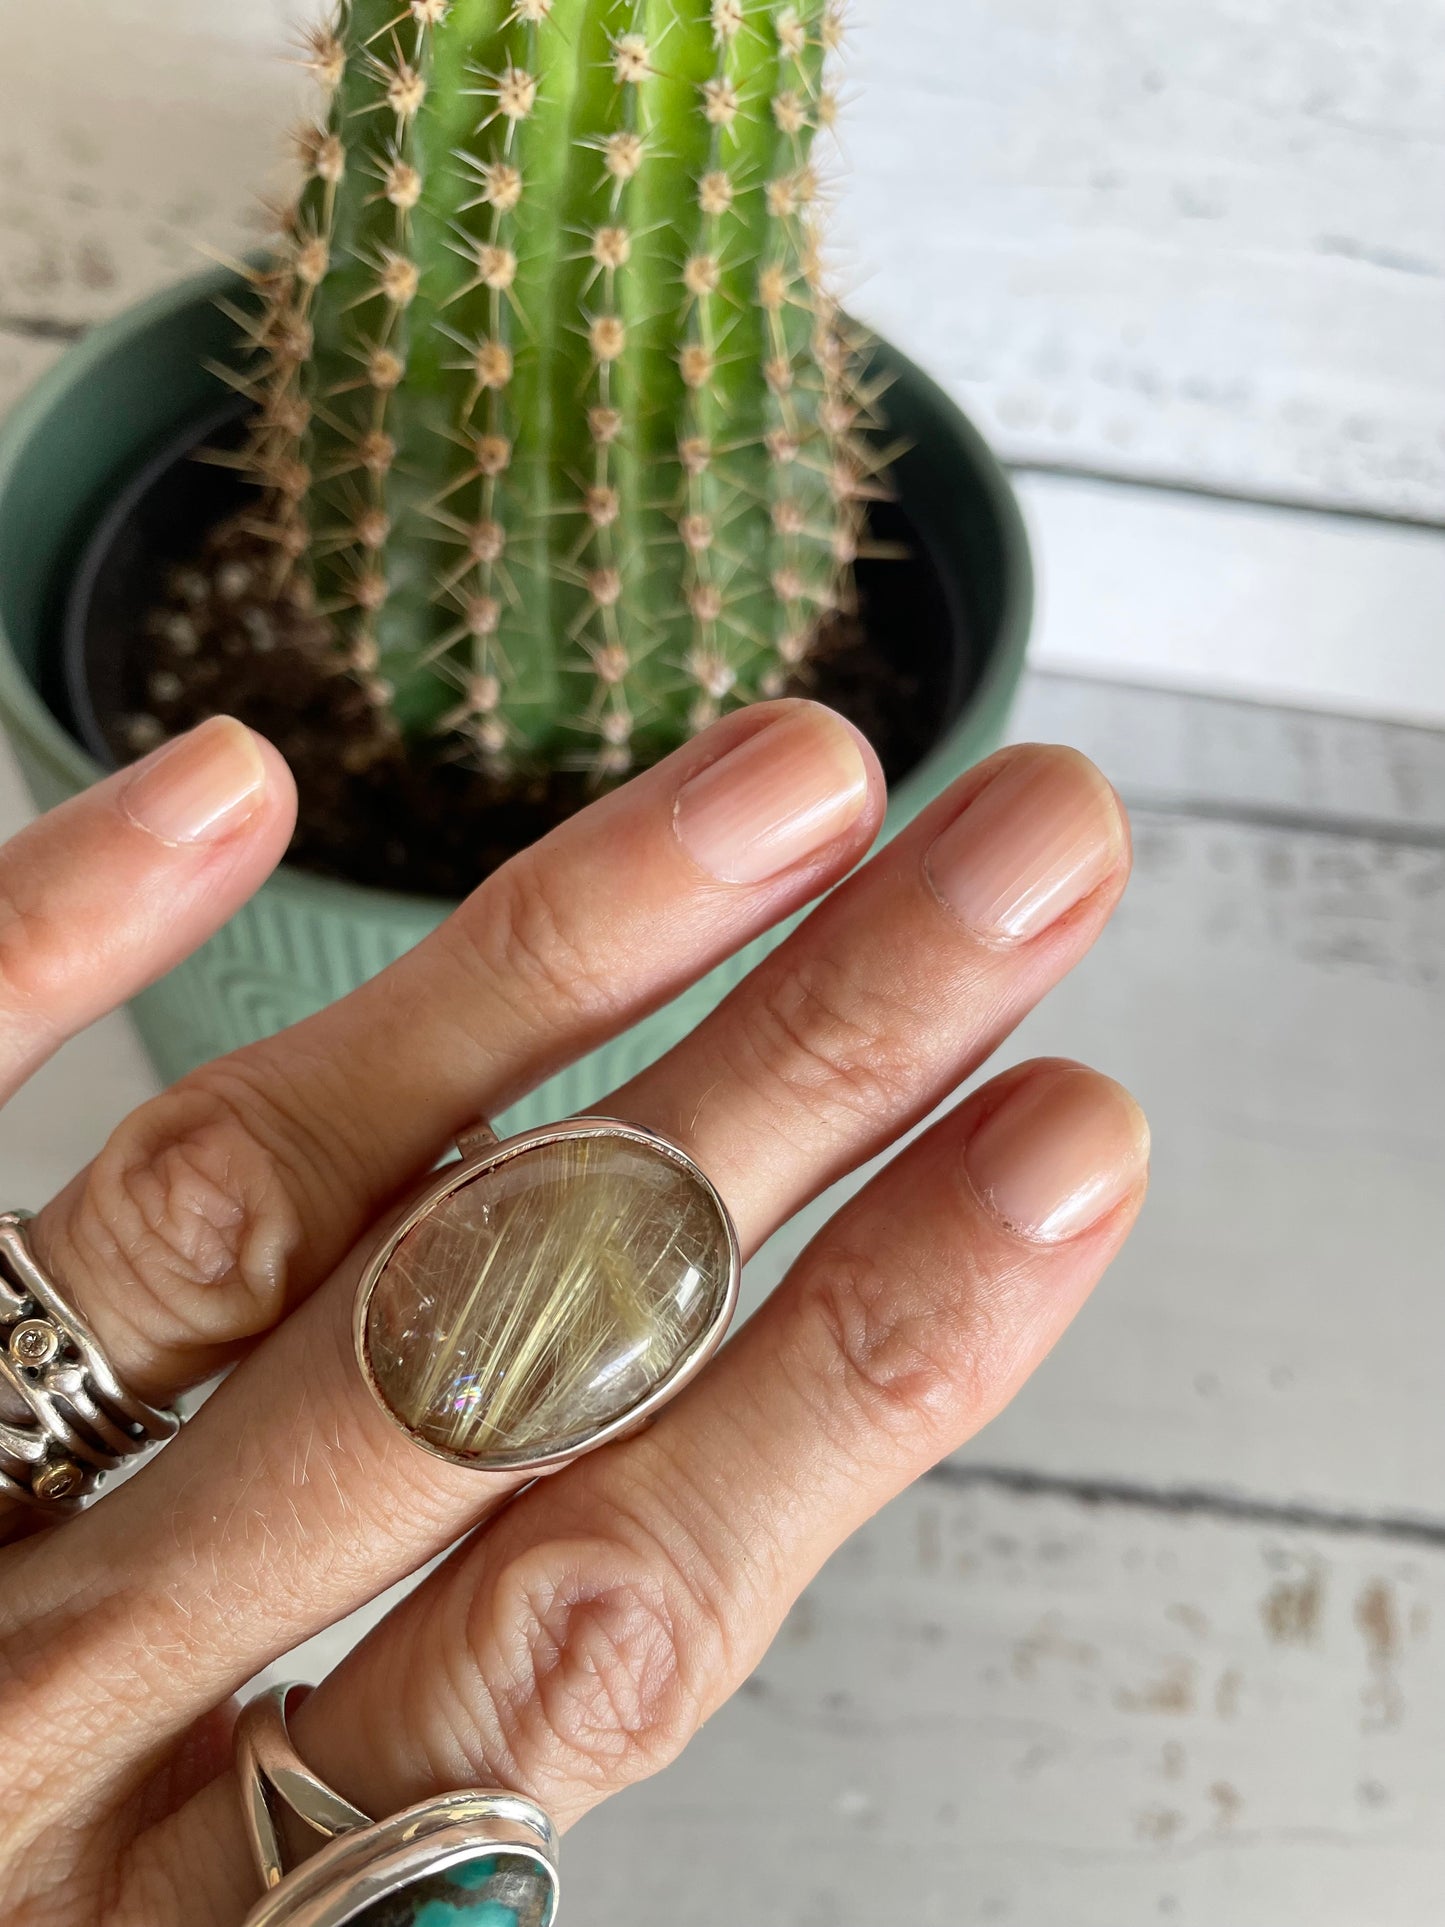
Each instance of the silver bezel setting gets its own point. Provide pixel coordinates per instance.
(482, 1153)
(356, 1870)
(366, 1861)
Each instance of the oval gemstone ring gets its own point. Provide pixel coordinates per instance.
(547, 1294)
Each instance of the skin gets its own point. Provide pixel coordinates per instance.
(572, 1643)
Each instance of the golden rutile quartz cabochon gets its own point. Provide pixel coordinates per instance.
(547, 1298)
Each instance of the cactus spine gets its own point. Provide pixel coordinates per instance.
(555, 412)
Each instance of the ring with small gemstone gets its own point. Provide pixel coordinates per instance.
(66, 1420)
(547, 1294)
(484, 1857)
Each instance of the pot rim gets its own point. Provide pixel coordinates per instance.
(30, 715)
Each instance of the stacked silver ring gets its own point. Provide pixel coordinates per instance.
(68, 1419)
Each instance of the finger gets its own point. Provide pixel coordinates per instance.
(577, 1644)
(895, 989)
(220, 1204)
(106, 893)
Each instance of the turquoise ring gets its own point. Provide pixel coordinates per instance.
(461, 1860)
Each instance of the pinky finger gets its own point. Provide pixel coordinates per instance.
(105, 894)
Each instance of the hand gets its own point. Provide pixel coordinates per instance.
(573, 1644)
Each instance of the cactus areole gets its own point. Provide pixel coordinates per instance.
(556, 421)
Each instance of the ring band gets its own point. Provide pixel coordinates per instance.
(69, 1420)
(491, 1856)
(546, 1295)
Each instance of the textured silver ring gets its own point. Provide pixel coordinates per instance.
(546, 1295)
(464, 1856)
(67, 1419)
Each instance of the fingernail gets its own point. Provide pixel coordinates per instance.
(1063, 1149)
(1033, 843)
(776, 799)
(199, 787)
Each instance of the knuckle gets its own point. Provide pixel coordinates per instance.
(832, 1043)
(525, 932)
(186, 1217)
(897, 1359)
(33, 952)
(600, 1662)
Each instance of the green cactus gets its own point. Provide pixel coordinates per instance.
(556, 416)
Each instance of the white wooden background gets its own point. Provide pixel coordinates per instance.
(1167, 1644)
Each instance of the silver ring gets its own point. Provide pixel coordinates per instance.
(462, 1850)
(546, 1295)
(69, 1419)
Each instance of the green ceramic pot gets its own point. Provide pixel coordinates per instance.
(132, 386)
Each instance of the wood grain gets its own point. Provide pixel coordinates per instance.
(1167, 241)
(133, 149)
(1207, 757)
(1043, 1713)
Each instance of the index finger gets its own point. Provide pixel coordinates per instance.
(106, 893)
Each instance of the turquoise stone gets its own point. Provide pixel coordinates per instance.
(497, 1890)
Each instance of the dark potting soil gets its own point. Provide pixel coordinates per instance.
(371, 812)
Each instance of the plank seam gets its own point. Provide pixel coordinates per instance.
(1157, 484)
(1256, 816)
(1260, 706)
(1187, 1501)
(39, 327)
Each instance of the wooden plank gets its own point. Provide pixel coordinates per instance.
(1285, 607)
(1133, 235)
(1188, 754)
(1165, 241)
(992, 1709)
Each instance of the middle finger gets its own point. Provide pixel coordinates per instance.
(896, 989)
